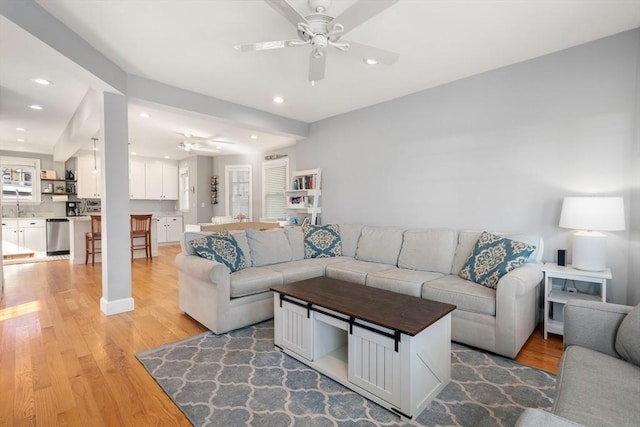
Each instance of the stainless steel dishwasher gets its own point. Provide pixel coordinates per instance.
(58, 236)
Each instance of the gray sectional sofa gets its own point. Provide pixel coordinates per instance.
(420, 262)
(599, 379)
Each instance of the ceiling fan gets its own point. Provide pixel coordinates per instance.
(322, 31)
(199, 143)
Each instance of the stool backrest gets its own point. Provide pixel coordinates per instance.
(96, 224)
(141, 223)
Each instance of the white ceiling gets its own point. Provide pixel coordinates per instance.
(190, 45)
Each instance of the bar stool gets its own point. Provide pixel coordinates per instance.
(90, 239)
(141, 229)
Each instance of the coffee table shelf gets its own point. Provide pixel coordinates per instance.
(401, 368)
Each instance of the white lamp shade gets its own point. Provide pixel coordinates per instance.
(593, 213)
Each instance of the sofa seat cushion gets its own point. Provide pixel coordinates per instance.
(466, 295)
(295, 271)
(355, 271)
(597, 389)
(401, 280)
(253, 280)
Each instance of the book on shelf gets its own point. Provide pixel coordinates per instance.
(306, 182)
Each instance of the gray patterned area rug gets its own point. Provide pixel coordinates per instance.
(238, 379)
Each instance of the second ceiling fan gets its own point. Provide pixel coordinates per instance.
(320, 31)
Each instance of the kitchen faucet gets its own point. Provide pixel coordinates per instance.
(18, 203)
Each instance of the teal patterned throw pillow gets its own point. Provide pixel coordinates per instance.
(492, 257)
(222, 248)
(322, 241)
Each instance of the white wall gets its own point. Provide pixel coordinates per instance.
(497, 151)
(255, 160)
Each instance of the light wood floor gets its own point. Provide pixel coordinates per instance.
(64, 363)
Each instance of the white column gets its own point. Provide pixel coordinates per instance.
(116, 254)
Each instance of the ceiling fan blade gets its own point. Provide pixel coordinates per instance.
(359, 12)
(276, 44)
(364, 51)
(288, 11)
(317, 67)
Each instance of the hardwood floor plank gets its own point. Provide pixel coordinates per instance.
(64, 363)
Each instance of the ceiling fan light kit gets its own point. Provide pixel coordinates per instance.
(321, 31)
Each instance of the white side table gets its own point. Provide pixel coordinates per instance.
(551, 271)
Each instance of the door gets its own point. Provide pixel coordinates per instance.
(173, 228)
(294, 328)
(374, 365)
(153, 180)
(170, 181)
(33, 235)
(9, 237)
(88, 178)
(137, 179)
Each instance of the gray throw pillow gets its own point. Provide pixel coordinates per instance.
(628, 337)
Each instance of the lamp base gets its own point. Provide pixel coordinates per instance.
(589, 251)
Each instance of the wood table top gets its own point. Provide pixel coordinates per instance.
(407, 314)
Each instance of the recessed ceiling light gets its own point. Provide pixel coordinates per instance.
(133, 153)
(144, 115)
(20, 139)
(43, 82)
(20, 129)
(370, 61)
(35, 107)
(254, 136)
(219, 147)
(278, 99)
(166, 157)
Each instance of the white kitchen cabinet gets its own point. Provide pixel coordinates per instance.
(169, 228)
(89, 182)
(137, 179)
(161, 181)
(23, 235)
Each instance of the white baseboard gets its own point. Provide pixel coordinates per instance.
(116, 307)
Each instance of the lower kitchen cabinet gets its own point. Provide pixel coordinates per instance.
(20, 235)
(169, 228)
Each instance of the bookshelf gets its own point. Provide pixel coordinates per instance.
(303, 198)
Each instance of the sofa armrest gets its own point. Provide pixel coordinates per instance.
(202, 268)
(517, 299)
(537, 417)
(593, 324)
(520, 281)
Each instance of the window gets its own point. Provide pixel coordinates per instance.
(20, 180)
(238, 191)
(275, 175)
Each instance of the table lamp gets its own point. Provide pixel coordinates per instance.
(591, 215)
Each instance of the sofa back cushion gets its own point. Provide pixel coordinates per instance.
(296, 241)
(269, 247)
(243, 243)
(628, 337)
(380, 244)
(350, 234)
(428, 250)
(467, 240)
